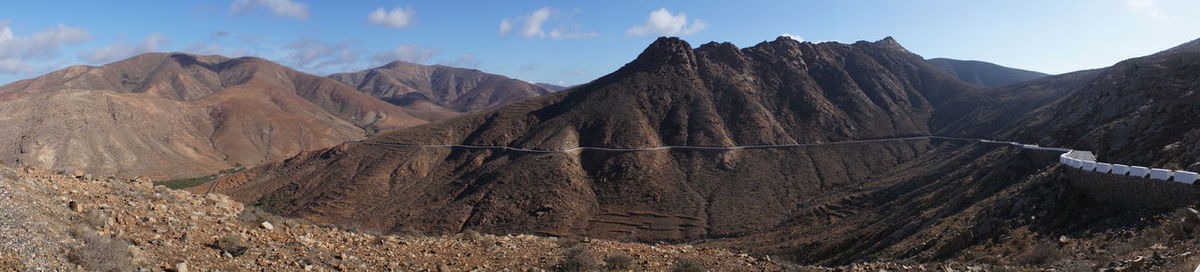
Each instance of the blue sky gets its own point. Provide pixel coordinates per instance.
(572, 42)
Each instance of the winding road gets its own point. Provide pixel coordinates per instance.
(681, 147)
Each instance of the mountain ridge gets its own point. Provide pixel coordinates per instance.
(454, 89)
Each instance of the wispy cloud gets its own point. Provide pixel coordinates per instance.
(532, 26)
(17, 53)
(396, 18)
(409, 53)
(123, 49)
(662, 22)
(465, 61)
(319, 56)
(1149, 7)
(284, 8)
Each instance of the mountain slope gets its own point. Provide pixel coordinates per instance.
(778, 92)
(456, 89)
(983, 73)
(552, 87)
(179, 115)
(1139, 111)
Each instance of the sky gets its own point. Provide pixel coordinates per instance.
(571, 42)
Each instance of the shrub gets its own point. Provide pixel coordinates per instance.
(231, 243)
(580, 258)
(688, 265)
(101, 253)
(96, 218)
(1040, 253)
(618, 261)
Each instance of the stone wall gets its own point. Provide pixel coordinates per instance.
(1133, 191)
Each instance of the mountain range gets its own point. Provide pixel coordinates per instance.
(829, 204)
(174, 115)
(983, 73)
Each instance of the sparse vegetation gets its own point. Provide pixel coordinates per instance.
(191, 182)
(100, 253)
(688, 265)
(1040, 253)
(618, 261)
(231, 243)
(580, 258)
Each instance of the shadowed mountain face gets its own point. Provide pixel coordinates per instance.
(913, 200)
(983, 73)
(179, 115)
(455, 89)
(1140, 111)
(779, 92)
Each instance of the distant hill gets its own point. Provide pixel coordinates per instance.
(552, 87)
(178, 115)
(455, 89)
(984, 73)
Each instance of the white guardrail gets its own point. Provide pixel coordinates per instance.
(1083, 160)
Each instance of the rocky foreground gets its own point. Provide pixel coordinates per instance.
(62, 222)
(55, 222)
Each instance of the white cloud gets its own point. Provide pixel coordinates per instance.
(1150, 7)
(16, 52)
(793, 37)
(5, 33)
(396, 18)
(317, 55)
(506, 25)
(409, 53)
(122, 49)
(662, 22)
(285, 8)
(532, 26)
(466, 61)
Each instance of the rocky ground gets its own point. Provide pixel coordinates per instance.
(62, 222)
(74, 222)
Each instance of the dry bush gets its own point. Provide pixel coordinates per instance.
(254, 215)
(471, 235)
(1038, 254)
(101, 253)
(231, 243)
(96, 218)
(618, 261)
(580, 258)
(688, 265)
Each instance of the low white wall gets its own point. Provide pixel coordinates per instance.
(1161, 174)
(1089, 166)
(1186, 177)
(1086, 161)
(1120, 169)
(1138, 171)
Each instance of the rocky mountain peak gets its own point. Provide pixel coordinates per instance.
(667, 51)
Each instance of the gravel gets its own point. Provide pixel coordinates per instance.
(29, 238)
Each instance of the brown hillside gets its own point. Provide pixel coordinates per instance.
(178, 115)
(778, 92)
(456, 89)
(912, 200)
